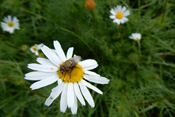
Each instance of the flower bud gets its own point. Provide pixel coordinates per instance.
(90, 4)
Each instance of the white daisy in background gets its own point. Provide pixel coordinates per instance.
(119, 14)
(10, 24)
(35, 48)
(135, 36)
(72, 84)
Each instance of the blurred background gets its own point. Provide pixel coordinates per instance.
(142, 84)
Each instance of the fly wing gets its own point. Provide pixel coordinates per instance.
(77, 58)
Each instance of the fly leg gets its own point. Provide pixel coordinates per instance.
(64, 74)
(71, 72)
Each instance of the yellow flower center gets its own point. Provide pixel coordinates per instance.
(73, 75)
(35, 48)
(137, 38)
(119, 15)
(10, 24)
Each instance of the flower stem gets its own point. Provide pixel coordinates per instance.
(95, 22)
(94, 17)
(118, 31)
(139, 46)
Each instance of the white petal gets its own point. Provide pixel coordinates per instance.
(123, 9)
(78, 94)
(39, 75)
(31, 49)
(131, 37)
(54, 94)
(59, 81)
(16, 22)
(91, 87)
(70, 95)
(87, 95)
(137, 35)
(40, 46)
(44, 68)
(112, 16)
(75, 106)
(116, 10)
(122, 21)
(16, 26)
(69, 53)
(7, 19)
(11, 30)
(36, 73)
(36, 53)
(91, 73)
(59, 51)
(63, 101)
(44, 61)
(119, 8)
(125, 19)
(4, 26)
(88, 64)
(112, 11)
(51, 55)
(96, 79)
(44, 82)
(116, 21)
(126, 13)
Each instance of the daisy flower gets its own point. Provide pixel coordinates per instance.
(35, 48)
(119, 14)
(10, 24)
(135, 36)
(72, 84)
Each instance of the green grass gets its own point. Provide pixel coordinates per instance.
(141, 84)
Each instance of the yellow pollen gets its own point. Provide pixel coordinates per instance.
(35, 48)
(73, 75)
(10, 24)
(51, 68)
(119, 15)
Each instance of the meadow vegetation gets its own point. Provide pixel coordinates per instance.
(142, 82)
